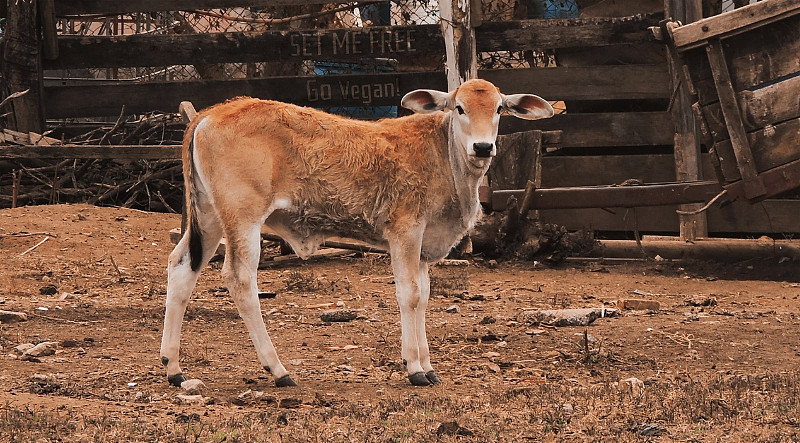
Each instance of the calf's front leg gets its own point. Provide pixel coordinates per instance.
(412, 289)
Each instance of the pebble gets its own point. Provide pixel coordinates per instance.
(190, 400)
(43, 349)
(338, 315)
(452, 309)
(193, 386)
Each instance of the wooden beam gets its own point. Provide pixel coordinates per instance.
(686, 147)
(342, 44)
(116, 152)
(619, 82)
(229, 47)
(733, 120)
(733, 22)
(22, 66)
(49, 33)
(112, 152)
(521, 35)
(317, 91)
(597, 131)
(80, 7)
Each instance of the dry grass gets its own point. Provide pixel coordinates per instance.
(731, 408)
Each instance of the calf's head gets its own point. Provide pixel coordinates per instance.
(476, 107)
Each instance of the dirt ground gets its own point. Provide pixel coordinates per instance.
(723, 370)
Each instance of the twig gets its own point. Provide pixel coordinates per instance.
(82, 323)
(35, 246)
(116, 268)
(26, 234)
(13, 96)
(115, 127)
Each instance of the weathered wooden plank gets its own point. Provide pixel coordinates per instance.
(607, 82)
(602, 129)
(77, 7)
(754, 59)
(771, 104)
(767, 217)
(317, 91)
(686, 147)
(388, 41)
(563, 33)
(733, 22)
(120, 152)
(230, 47)
(621, 82)
(518, 161)
(771, 146)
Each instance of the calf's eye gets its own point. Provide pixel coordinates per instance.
(499, 109)
(460, 110)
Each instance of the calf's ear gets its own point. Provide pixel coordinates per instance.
(527, 106)
(425, 101)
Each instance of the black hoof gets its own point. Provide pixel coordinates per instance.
(285, 381)
(419, 379)
(431, 376)
(176, 379)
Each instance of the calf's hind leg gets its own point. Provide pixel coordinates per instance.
(239, 273)
(181, 281)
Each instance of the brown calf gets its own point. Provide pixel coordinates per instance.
(409, 185)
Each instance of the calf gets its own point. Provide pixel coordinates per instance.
(409, 185)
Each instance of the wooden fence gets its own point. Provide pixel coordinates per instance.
(596, 148)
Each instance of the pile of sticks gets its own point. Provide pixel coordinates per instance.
(153, 185)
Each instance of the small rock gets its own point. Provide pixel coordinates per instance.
(649, 430)
(66, 296)
(290, 403)
(12, 316)
(43, 349)
(632, 385)
(21, 349)
(487, 320)
(190, 400)
(193, 386)
(338, 315)
(700, 300)
(453, 428)
(452, 309)
(567, 408)
(48, 290)
(640, 305)
(70, 343)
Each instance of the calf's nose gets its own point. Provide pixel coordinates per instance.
(483, 149)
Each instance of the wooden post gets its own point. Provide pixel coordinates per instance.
(687, 150)
(459, 39)
(22, 66)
